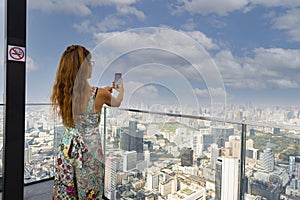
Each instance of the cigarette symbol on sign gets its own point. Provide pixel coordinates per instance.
(16, 53)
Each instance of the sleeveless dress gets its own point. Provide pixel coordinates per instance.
(79, 170)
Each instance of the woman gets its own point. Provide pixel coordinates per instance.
(79, 171)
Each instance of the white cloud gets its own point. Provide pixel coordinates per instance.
(223, 8)
(148, 92)
(217, 23)
(126, 2)
(267, 68)
(110, 22)
(219, 7)
(289, 21)
(205, 41)
(77, 7)
(84, 27)
(137, 91)
(83, 7)
(189, 25)
(177, 49)
(276, 3)
(284, 83)
(210, 92)
(126, 10)
(277, 58)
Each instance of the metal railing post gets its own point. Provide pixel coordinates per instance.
(104, 147)
(243, 155)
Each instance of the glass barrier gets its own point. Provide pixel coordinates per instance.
(150, 156)
(1, 143)
(39, 153)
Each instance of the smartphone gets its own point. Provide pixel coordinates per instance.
(118, 76)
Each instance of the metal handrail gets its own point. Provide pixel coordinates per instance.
(213, 119)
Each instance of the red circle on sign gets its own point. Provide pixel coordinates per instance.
(16, 53)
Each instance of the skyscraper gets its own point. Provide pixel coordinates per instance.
(187, 157)
(215, 153)
(230, 178)
(147, 156)
(132, 139)
(267, 160)
(111, 177)
(294, 166)
(227, 179)
(221, 133)
(197, 145)
(218, 179)
(129, 160)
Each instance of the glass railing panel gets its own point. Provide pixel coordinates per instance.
(150, 156)
(39, 153)
(272, 168)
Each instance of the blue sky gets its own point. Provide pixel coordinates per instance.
(190, 52)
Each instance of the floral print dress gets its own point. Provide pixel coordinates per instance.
(79, 171)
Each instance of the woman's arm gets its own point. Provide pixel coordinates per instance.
(104, 96)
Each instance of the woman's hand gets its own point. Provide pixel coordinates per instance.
(120, 84)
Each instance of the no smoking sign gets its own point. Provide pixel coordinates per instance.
(16, 53)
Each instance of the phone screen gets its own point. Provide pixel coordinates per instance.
(118, 76)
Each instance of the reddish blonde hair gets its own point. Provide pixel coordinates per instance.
(70, 91)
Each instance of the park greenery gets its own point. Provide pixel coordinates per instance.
(282, 144)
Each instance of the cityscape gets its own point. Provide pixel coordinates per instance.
(166, 157)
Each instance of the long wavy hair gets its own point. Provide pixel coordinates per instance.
(70, 93)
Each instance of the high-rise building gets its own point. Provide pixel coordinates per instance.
(233, 146)
(152, 180)
(221, 133)
(147, 157)
(297, 169)
(187, 157)
(197, 145)
(230, 178)
(111, 177)
(129, 160)
(291, 165)
(227, 179)
(267, 160)
(294, 166)
(252, 153)
(215, 153)
(218, 179)
(132, 139)
(207, 140)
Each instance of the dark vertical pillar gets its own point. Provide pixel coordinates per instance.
(14, 100)
(104, 148)
(243, 160)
